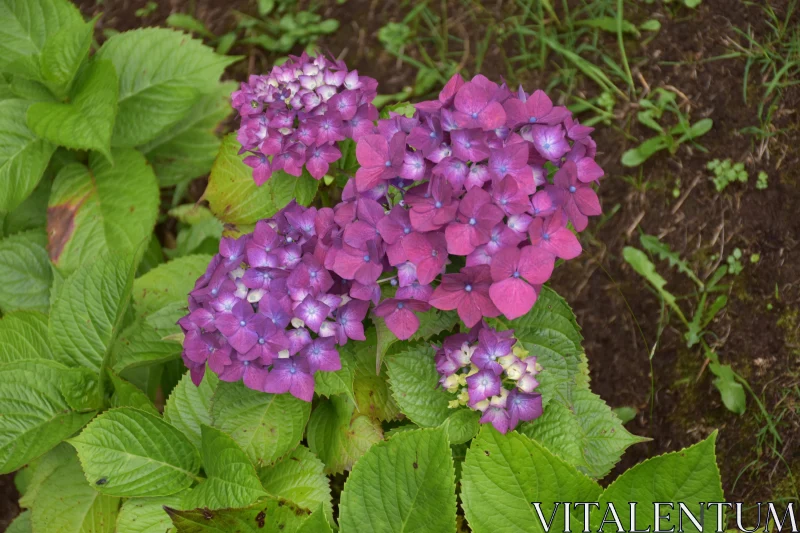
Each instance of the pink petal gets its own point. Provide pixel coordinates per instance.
(505, 263)
(589, 170)
(513, 297)
(493, 116)
(372, 151)
(535, 264)
(460, 238)
(403, 323)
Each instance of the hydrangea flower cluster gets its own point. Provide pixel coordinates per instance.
(490, 373)
(469, 176)
(294, 116)
(268, 312)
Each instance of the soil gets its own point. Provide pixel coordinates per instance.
(758, 333)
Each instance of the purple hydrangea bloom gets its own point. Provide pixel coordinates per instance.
(294, 116)
(261, 311)
(482, 369)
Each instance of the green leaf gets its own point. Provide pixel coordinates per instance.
(266, 426)
(27, 24)
(339, 435)
(236, 199)
(86, 122)
(89, 310)
(232, 480)
(66, 503)
(341, 381)
(25, 272)
(134, 453)
(145, 342)
(639, 261)
(64, 53)
(608, 24)
(584, 432)
(688, 476)
(183, 21)
(636, 156)
(404, 484)
(509, 472)
(23, 156)
(316, 523)
(187, 149)
(168, 283)
(698, 129)
(653, 245)
(23, 335)
(188, 408)
(31, 213)
(371, 390)
(42, 468)
(415, 386)
(128, 395)
(35, 414)
(81, 389)
(22, 523)
(299, 477)
(732, 392)
(103, 207)
(146, 515)
(461, 425)
(161, 74)
(267, 516)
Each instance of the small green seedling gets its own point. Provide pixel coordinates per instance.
(735, 266)
(654, 108)
(147, 10)
(761, 182)
(726, 172)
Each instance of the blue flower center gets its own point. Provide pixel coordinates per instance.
(468, 145)
(246, 363)
(503, 201)
(214, 291)
(546, 146)
(474, 115)
(432, 135)
(572, 188)
(387, 164)
(366, 258)
(546, 236)
(261, 341)
(316, 350)
(503, 169)
(434, 253)
(515, 274)
(313, 275)
(289, 239)
(437, 205)
(532, 120)
(472, 221)
(468, 287)
(406, 230)
(242, 323)
(293, 370)
(400, 305)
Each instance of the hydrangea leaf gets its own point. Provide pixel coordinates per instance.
(147, 515)
(30, 428)
(235, 198)
(67, 503)
(188, 408)
(23, 156)
(104, 207)
(689, 476)
(415, 386)
(31, 214)
(585, 433)
(129, 395)
(461, 425)
(86, 122)
(269, 515)
(371, 389)
(161, 75)
(41, 469)
(339, 435)
(63, 53)
(266, 426)
(299, 477)
(188, 148)
(81, 389)
(23, 335)
(21, 524)
(231, 479)
(341, 381)
(406, 483)
(25, 272)
(89, 310)
(509, 472)
(167, 283)
(27, 24)
(148, 340)
(134, 453)
(576, 425)
(316, 523)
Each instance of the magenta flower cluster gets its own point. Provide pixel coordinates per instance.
(469, 176)
(268, 312)
(486, 374)
(295, 116)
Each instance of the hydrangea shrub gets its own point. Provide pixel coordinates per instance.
(359, 296)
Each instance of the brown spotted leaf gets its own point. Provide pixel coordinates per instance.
(270, 515)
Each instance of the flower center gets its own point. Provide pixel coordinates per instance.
(254, 104)
(468, 287)
(261, 341)
(406, 230)
(313, 275)
(437, 205)
(474, 115)
(503, 169)
(546, 146)
(387, 164)
(434, 253)
(532, 120)
(400, 305)
(366, 258)
(242, 323)
(572, 188)
(214, 291)
(432, 135)
(472, 221)
(516, 274)
(546, 236)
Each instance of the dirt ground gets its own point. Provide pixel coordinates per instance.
(611, 301)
